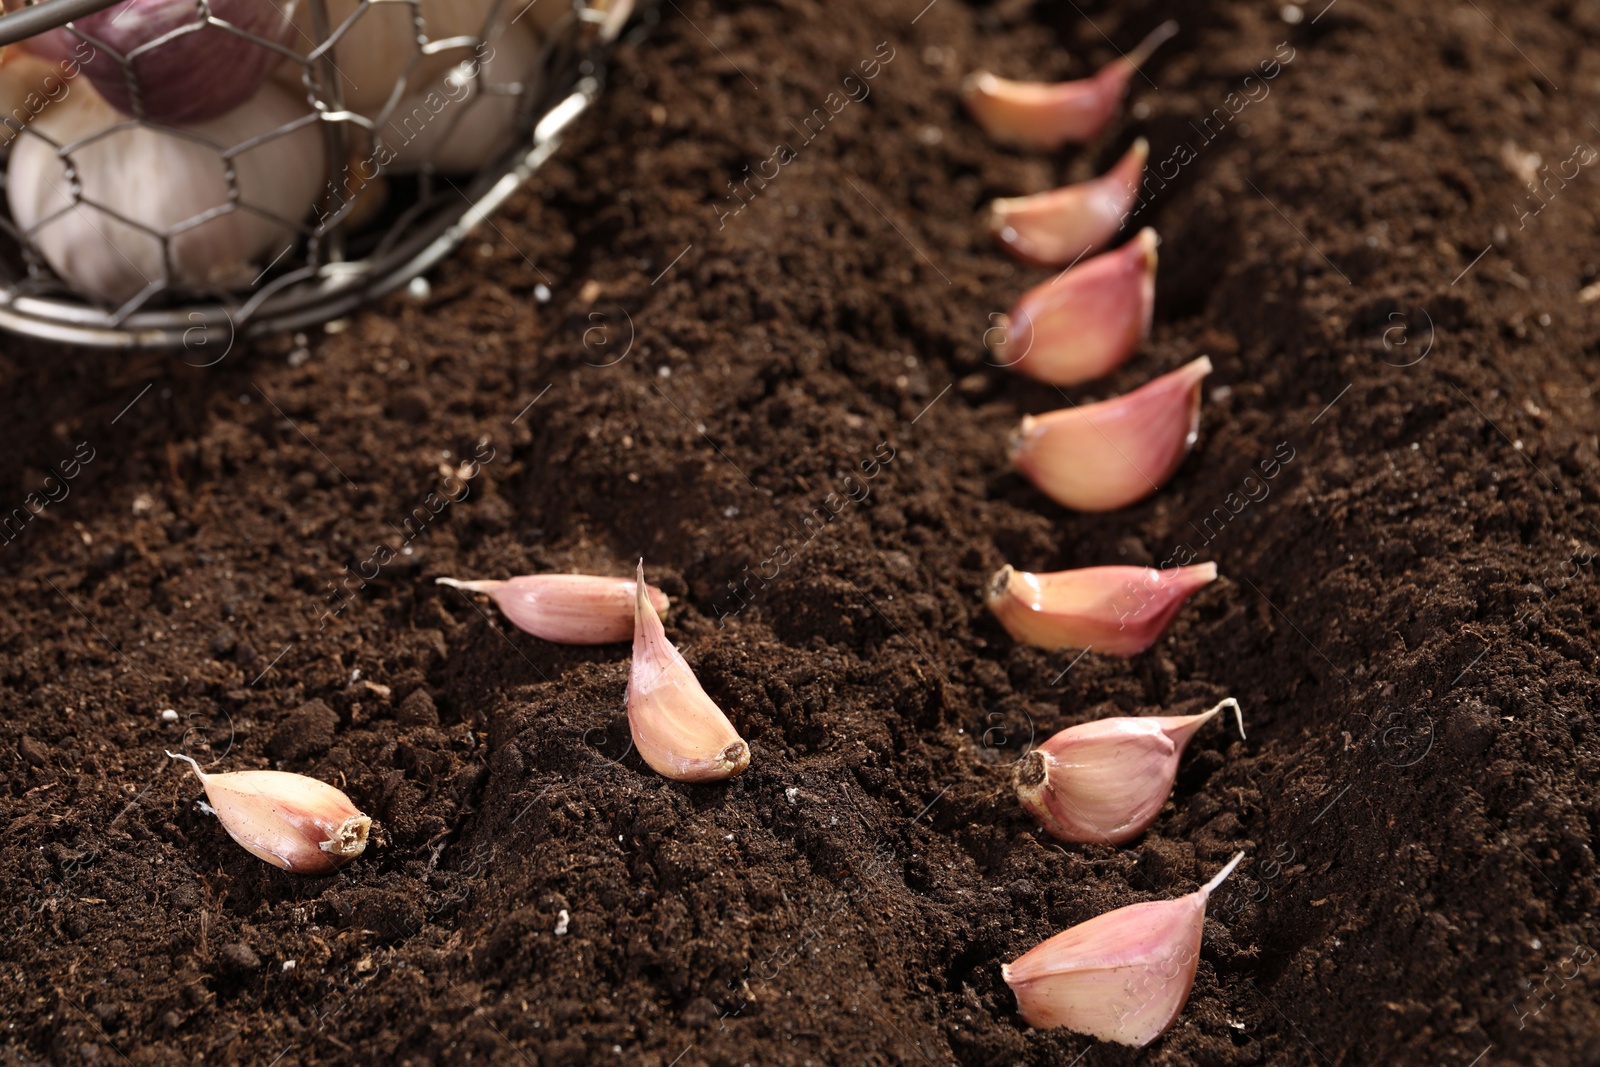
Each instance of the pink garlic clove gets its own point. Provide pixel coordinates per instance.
(1060, 227)
(289, 820)
(1100, 457)
(1050, 114)
(569, 609)
(678, 729)
(1086, 321)
(1106, 781)
(1123, 976)
(1117, 611)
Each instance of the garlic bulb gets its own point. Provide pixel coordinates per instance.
(181, 67)
(28, 85)
(461, 119)
(377, 42)
(161, 182)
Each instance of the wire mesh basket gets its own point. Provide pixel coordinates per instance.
(380, 134)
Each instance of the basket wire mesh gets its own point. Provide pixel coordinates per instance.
(342, 250)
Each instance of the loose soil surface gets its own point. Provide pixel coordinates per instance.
(1407, 615)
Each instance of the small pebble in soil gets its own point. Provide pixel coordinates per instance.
(541, 293)
(169, 715)
(562, 922)
(31, 751)
(1291, 14)
(239, 958)
(418, 288)
(288, 965)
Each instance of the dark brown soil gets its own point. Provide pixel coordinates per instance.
(1408, 617)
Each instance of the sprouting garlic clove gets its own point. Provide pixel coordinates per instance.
(1122, 976)
(290, 820)
(1105, 781)
(569, 609)
(1059, 227)
(1100, 457)
(1086, 321)
(677, 728)
(1117, 611)
(1050, 114)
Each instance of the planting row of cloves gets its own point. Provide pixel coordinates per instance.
(1124, 975)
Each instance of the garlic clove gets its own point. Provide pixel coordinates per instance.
(1086, 321)
(1106, 781)
(677, 728)
(1100, 457)
(569, 609)
(1050, 114)
(1118, 611)
(294, 822)
(1123, 976)
(1061, 226)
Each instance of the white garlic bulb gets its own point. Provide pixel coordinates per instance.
(164, 182)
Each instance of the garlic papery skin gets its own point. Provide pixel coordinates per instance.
(1104, 456)
(1104, 782)
(1086, 321)
(1123, 976)
(678, 729)
(1117, 611)
(134, 182)
(569, 609)
(29, 84)
(1058, 228)
(294, 822)
(1048, 115)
